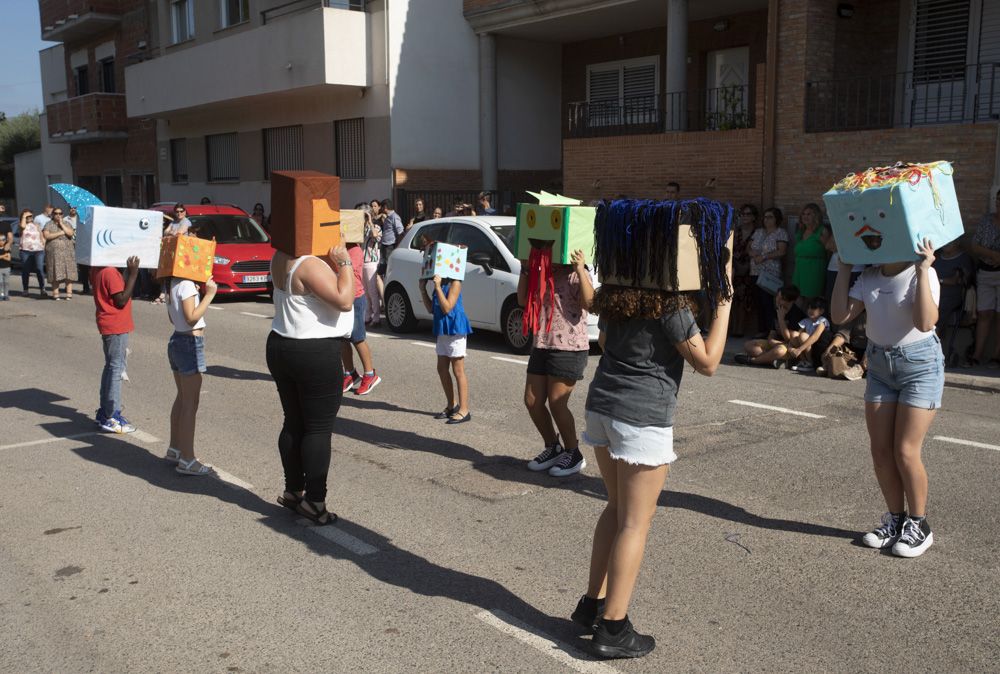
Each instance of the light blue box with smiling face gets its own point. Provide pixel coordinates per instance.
(885, 223)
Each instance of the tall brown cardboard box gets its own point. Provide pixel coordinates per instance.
(305, 212)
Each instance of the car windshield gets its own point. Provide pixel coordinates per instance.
(506, 234)
(227, 229)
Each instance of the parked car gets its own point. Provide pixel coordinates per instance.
(489, 291)
(243, 249)
(15, 249)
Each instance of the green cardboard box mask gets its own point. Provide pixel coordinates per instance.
(555, 222)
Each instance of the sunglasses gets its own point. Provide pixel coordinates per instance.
(57, 212)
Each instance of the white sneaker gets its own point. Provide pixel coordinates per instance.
(547, 458)
(885, 534)
(568, 463)
(915, 539)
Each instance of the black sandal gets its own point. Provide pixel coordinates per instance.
(447, 413)
(320, 517)
(290, 500)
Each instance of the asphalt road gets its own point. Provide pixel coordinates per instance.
(450, 555)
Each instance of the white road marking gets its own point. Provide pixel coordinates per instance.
(250, 313)
(563, 653)
(340, 537)
(429, 345)
(373, 334)
(31, 443)
(215, 308)
(778, 409)
(510, 360)
(957, 441)
(143, 436)
(232, 480)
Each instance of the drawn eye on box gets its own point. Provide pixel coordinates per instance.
(556, 223)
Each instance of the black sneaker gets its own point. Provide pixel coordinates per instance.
(627, 644)
(547, 458)
(915, 539)
(741, 359)
(568, 463)
(587, 616)
(886, 533)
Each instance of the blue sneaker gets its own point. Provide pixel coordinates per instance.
(123, 425)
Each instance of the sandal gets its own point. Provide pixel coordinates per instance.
(193, 467)
(290, 500)
(309, 511)
(447, 413)
(173, 454)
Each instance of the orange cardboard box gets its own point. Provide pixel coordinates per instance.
(186, 257)
(305, 212)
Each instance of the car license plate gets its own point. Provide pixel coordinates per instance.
(262, 278)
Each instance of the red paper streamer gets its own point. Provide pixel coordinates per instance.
(540, 285)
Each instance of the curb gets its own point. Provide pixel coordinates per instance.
(974, 382)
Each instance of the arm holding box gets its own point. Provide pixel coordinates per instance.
(122, 298)
(579, 261)
(192, 313)
(334, 288)
(925, 309)
(704, 355)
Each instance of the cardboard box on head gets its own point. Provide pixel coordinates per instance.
(352, 226)
(305, 212)
(108, 237)
(670, 251)
(555, 222)
(186, 257)
(881, 215)
(444, 260)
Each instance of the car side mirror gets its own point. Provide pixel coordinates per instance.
(483, 260)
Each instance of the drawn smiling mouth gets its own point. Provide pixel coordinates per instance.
(871, 237)
(541, 243)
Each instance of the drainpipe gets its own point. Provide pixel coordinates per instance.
(676, 76)
(770, 106)
(488, 111)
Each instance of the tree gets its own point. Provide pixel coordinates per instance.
(20, 133)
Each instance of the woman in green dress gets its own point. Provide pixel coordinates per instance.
(810, 254)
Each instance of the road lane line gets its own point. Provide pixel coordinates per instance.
(250, 313)
(340, 537)
(778, 409)
(563, 653)
(957, 441)
(429, 345)
(510, 360)
(215, 308)
(143, 436)
(46, 441)
(232, 480)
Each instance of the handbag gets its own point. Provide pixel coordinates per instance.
(839, 363)
(770, 282)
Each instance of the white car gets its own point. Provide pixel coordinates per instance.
(489, 292)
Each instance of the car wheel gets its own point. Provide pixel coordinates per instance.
(398, 311)
(510, 322)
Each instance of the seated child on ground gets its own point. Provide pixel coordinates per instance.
(771, 352)
(811, 339)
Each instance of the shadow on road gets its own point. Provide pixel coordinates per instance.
(235, 373)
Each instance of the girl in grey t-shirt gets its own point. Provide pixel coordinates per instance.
(647, 335)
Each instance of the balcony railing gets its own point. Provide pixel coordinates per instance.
(950, 96)
(717, 109)
(87, 118)
(64, 20)
(297, 6)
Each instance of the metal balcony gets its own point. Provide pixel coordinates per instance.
(87, 119)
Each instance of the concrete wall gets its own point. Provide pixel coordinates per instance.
(56, 157)
(31, 187)
(529, 86)
(53, 70)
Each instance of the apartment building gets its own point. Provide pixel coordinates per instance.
(385, 94)
(762, 101)
(88, 137)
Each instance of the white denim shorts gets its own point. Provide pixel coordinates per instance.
(451, 346)
(988, 291)
(637, 445)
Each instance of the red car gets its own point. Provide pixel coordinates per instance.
(243, 249)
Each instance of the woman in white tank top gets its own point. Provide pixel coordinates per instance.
(313, 313)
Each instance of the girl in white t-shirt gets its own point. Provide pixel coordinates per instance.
(186, 354)
(905, 384)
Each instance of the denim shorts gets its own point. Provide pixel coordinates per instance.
(186, 353)
(358, 332)
(637, 445)
(560, 364)
(912, 374)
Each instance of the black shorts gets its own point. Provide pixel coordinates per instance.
(560, 364)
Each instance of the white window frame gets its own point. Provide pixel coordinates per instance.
(227, 21)
(175, 8)
(601, 119)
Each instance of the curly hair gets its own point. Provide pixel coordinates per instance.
(620, 303)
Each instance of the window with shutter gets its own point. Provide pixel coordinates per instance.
(940, 40)
(223, 155)
(623, 92)
(283, 150)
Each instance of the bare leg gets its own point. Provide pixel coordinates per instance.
(771, 355)
(69, 289)
(445, 376)
(881, 421)
(639, 489)
(983, 324)
(347, 357)
(365, 354)
(190, 395)
(607, 526)
(535, 395)
(458, 367)
(175, 413)
(911, 427)
(559, 393)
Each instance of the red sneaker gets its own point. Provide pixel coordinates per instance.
(368, 382)
(352, 381)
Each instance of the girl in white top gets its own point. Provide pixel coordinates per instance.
(313, 313)
(904, 388)
(186, 309)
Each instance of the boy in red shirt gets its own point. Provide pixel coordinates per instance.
(113, 299)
